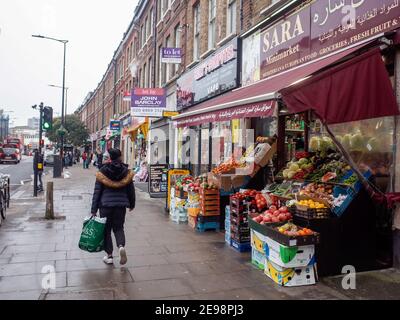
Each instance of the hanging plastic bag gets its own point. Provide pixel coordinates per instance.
(92, 236)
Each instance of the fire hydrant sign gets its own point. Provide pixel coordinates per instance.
(149, 102)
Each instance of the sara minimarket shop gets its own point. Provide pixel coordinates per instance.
(309, 195)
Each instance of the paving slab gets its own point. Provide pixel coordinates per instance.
(98, 278)
(157, 289)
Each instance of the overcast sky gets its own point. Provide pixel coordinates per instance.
(94, 29)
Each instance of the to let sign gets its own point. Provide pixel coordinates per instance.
(171, 55)
(149, 102)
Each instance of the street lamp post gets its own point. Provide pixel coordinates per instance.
(64, 42)
(66, 97)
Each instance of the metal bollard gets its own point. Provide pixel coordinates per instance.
(49, 201)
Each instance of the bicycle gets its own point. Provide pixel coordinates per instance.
(4, 195)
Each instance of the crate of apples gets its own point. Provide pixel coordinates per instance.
(274, 215)
(292, 230)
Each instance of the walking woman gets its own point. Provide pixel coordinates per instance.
(113, 193)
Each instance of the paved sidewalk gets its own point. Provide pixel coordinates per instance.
(165, 260)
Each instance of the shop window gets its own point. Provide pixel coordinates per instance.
(221, 136)
(205, 150)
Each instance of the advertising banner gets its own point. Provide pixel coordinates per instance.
(115, 125)
(318, 29)
(171, 55)
(214, 75)
(149, 102)
(261, 109)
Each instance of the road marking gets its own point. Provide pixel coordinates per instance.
(17, 195)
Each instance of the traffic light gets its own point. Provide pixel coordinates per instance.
(47, 123)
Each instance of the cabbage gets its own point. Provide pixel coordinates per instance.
(357, 142)
(285, 173)
(291, 174)
(315, 143)
(294, 167)
(346, 141)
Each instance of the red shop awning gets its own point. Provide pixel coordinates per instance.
(354, 90)
(255, 100)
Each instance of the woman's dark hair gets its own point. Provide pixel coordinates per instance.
(115, 154)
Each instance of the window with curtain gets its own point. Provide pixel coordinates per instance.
(142, 36)
(196, 35)
(159, 9)
(212, 17)
(145, 79)
(149, 77)
(151, 17)
(231, 17)
(161, 66)
(168, 66)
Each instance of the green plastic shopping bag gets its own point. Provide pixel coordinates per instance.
(92, 236)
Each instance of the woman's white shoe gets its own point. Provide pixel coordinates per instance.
(108, 260)
(122, 256)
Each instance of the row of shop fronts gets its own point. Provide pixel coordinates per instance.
(312, 74)
(321, 82)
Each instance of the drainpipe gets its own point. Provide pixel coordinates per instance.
(241, 16)
(115, 88)
(155, 19)
(396, 218)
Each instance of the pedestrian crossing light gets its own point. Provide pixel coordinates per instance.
(47, 123)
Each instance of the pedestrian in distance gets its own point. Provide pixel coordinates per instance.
(99, 159)
(113, 193)
(84, 159)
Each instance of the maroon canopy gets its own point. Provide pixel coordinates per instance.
(355, 90)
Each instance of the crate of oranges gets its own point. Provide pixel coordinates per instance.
(312, 209)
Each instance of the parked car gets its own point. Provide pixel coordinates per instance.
(10, 153)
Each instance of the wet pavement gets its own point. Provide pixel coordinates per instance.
(165, 260)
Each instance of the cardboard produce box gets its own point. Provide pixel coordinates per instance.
(262, 154)
(258, 259)
(291, 277)
(286, 257)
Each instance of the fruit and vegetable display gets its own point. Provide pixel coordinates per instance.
(273, 215)
(196, 183)
(321, 144)
(298, 170)
(292, 230)
(311, 204)
(228, 166)
(182, 183)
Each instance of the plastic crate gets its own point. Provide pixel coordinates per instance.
(202, 227)
(338, 211)
(356, 187)
(323, 213)
(205, 219)
(228, 239)
(241, 247)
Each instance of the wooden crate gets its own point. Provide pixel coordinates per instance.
(208, 192)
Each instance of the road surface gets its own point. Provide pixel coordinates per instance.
(20, 173)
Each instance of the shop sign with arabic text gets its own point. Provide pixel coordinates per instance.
(320, 28)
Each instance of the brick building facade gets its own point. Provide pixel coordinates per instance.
(198, 27)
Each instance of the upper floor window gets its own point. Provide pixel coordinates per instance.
(212, 15)
(177, 36)
(169, 69)
(150, 30)
(142, 36)
(196, 35)
(231, 16)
